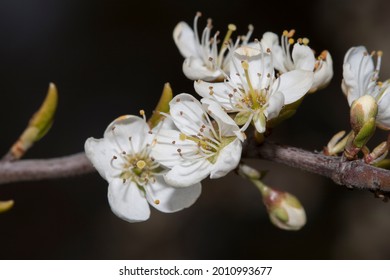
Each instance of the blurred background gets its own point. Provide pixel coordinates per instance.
(112, 57)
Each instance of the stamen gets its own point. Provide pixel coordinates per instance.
(231, 29)
(245, 38)
(142, 113)
(252, 92)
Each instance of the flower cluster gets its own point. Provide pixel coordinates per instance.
(369, 100)
(242, 83)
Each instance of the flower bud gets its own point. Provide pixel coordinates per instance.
(363, 110)
(39, 125)
(162, 106)
(249, 172)
(284, 209)
(6, 205)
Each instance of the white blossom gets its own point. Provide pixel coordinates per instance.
(360, 77)
(252, 90)
(301, 57)
(203, 59)
(123, 158)
(198, 146)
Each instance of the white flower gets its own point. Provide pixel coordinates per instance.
(301, 57)
(203, 60)
(123, 158)
(197, 147)
(252, 89)
(360, 77)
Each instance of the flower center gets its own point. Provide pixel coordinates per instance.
(138, 167)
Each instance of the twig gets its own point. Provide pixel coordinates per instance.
(40, 169)
(353, 174)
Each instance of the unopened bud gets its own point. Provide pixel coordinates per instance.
(284, 209)
(162, 106)
(6, 205)
(378, 154)
(249, 172)
(363, 110)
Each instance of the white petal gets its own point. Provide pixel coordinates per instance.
(383, 117)
(184, 38)
(195, 69)
(220, 93)
(188, 173)
(187, 113)
(258, 64)
(293, 85)
(127, 201)
(358, 68)
(303, 57)
(125, 127)
(275, 105)
(323, 74)
(227, 160)
(173, 199)
(168, 142)
(269, 40)
(227, 126)
(100, 153)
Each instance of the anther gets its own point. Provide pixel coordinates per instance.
(114, 157)
(232, 27)
(182, 137)
(173, 142)
(157, 201)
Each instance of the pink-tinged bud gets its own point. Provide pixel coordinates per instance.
(363, 110)
(284, 209)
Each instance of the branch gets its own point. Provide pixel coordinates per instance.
(353, 174)
(39, 169)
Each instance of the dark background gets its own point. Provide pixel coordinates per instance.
(112, 57)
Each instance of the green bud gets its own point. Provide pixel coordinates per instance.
(365, 133)
(363, 110)
(284, 210)
(6, 205)
(39, 125)
(162, 106)
(249, 172)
